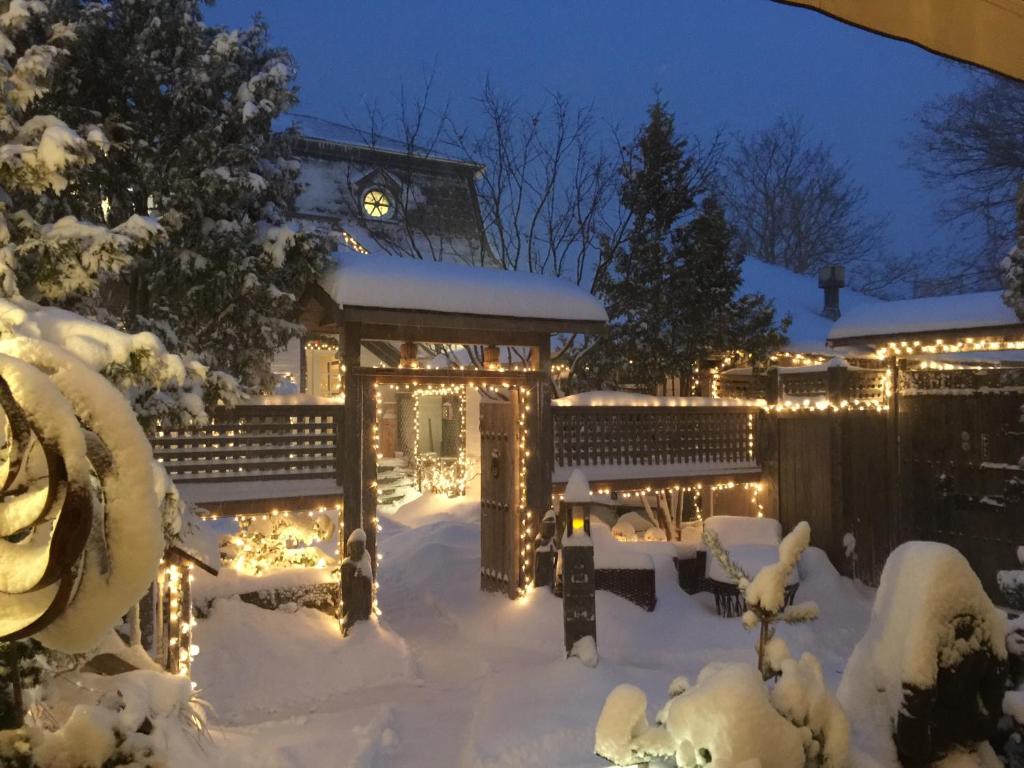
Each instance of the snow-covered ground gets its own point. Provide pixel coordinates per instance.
(452, 676)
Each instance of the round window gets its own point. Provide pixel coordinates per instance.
(376, 204)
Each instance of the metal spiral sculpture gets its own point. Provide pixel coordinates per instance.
(80, 532)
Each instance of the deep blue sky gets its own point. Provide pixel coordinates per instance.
(720, 63)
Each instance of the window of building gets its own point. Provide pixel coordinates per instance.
(377, 204)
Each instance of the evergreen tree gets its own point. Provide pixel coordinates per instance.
(46, 254)
(671, 289)
(188, 110)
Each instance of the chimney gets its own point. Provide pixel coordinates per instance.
(831, 279)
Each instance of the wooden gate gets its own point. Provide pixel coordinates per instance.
(499, 498)
(834, 473)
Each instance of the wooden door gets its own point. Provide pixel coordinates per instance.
(499, 498)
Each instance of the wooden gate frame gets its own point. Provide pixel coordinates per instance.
(321, 314)
(533, 412)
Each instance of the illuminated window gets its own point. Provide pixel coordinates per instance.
(376, 204)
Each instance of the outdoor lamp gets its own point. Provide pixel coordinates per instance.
(579, 519)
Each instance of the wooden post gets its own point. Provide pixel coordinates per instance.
(768, 457)
(838, 383)
(368, 509)
(540, 463)
(897, 525)
(838, 388)
(773, 386)
(351, 463)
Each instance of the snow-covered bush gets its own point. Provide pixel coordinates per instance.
(163, 388)
(730, 716)
(779, 714)
(279, 541)
(927, 678)
(136, 717)
(765, 593)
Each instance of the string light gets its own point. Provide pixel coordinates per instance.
(180, 648)
(350, 241)
(444, 477)
(940, 346)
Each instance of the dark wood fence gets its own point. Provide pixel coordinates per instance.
(960, 443)
(822, 382)
(255, 442)
(586, 436)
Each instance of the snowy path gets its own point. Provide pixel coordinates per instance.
(457, 678)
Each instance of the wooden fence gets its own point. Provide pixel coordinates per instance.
(255, 442)
(590, 436)
(822, 382)
(960, 443)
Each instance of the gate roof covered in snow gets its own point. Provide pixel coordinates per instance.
(414, 300)
(950, 318)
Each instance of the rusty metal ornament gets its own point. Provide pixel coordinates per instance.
(45, 500)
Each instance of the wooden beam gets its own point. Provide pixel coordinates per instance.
(317, 311)
(1013, 332)
(433, 335)
(443, 375)
(418, 324)
(752, 475)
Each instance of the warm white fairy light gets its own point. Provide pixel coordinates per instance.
(448, 478)
(941, 346)
(181, 650)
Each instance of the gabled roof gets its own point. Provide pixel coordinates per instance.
(385, 290)
(946, 317)
(387, 282)
(800, 297)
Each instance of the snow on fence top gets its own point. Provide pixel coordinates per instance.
(609, 398)
(410, 284)
(940, 314)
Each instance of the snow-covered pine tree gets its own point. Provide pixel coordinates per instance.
(671, 289)
(1013, 264)
(45, 253)
(188, 109)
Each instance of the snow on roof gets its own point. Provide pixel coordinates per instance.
(936, 313)
(388, 282)
(312, 127)
(800, 297)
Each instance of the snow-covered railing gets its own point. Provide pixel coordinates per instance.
(255, 442)
(655, 437)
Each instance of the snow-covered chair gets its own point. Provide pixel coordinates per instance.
(752, 542)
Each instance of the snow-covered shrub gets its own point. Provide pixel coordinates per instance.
(133, 718)
(928, 674)
(728, 717)
(162, 387)
(779, 714)
(279, 541)
(765, 593)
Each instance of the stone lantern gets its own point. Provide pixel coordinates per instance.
(579, 608)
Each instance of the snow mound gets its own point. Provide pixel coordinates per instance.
(924, 589)
(256, 663)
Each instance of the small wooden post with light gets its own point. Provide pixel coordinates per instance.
(579, 607)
